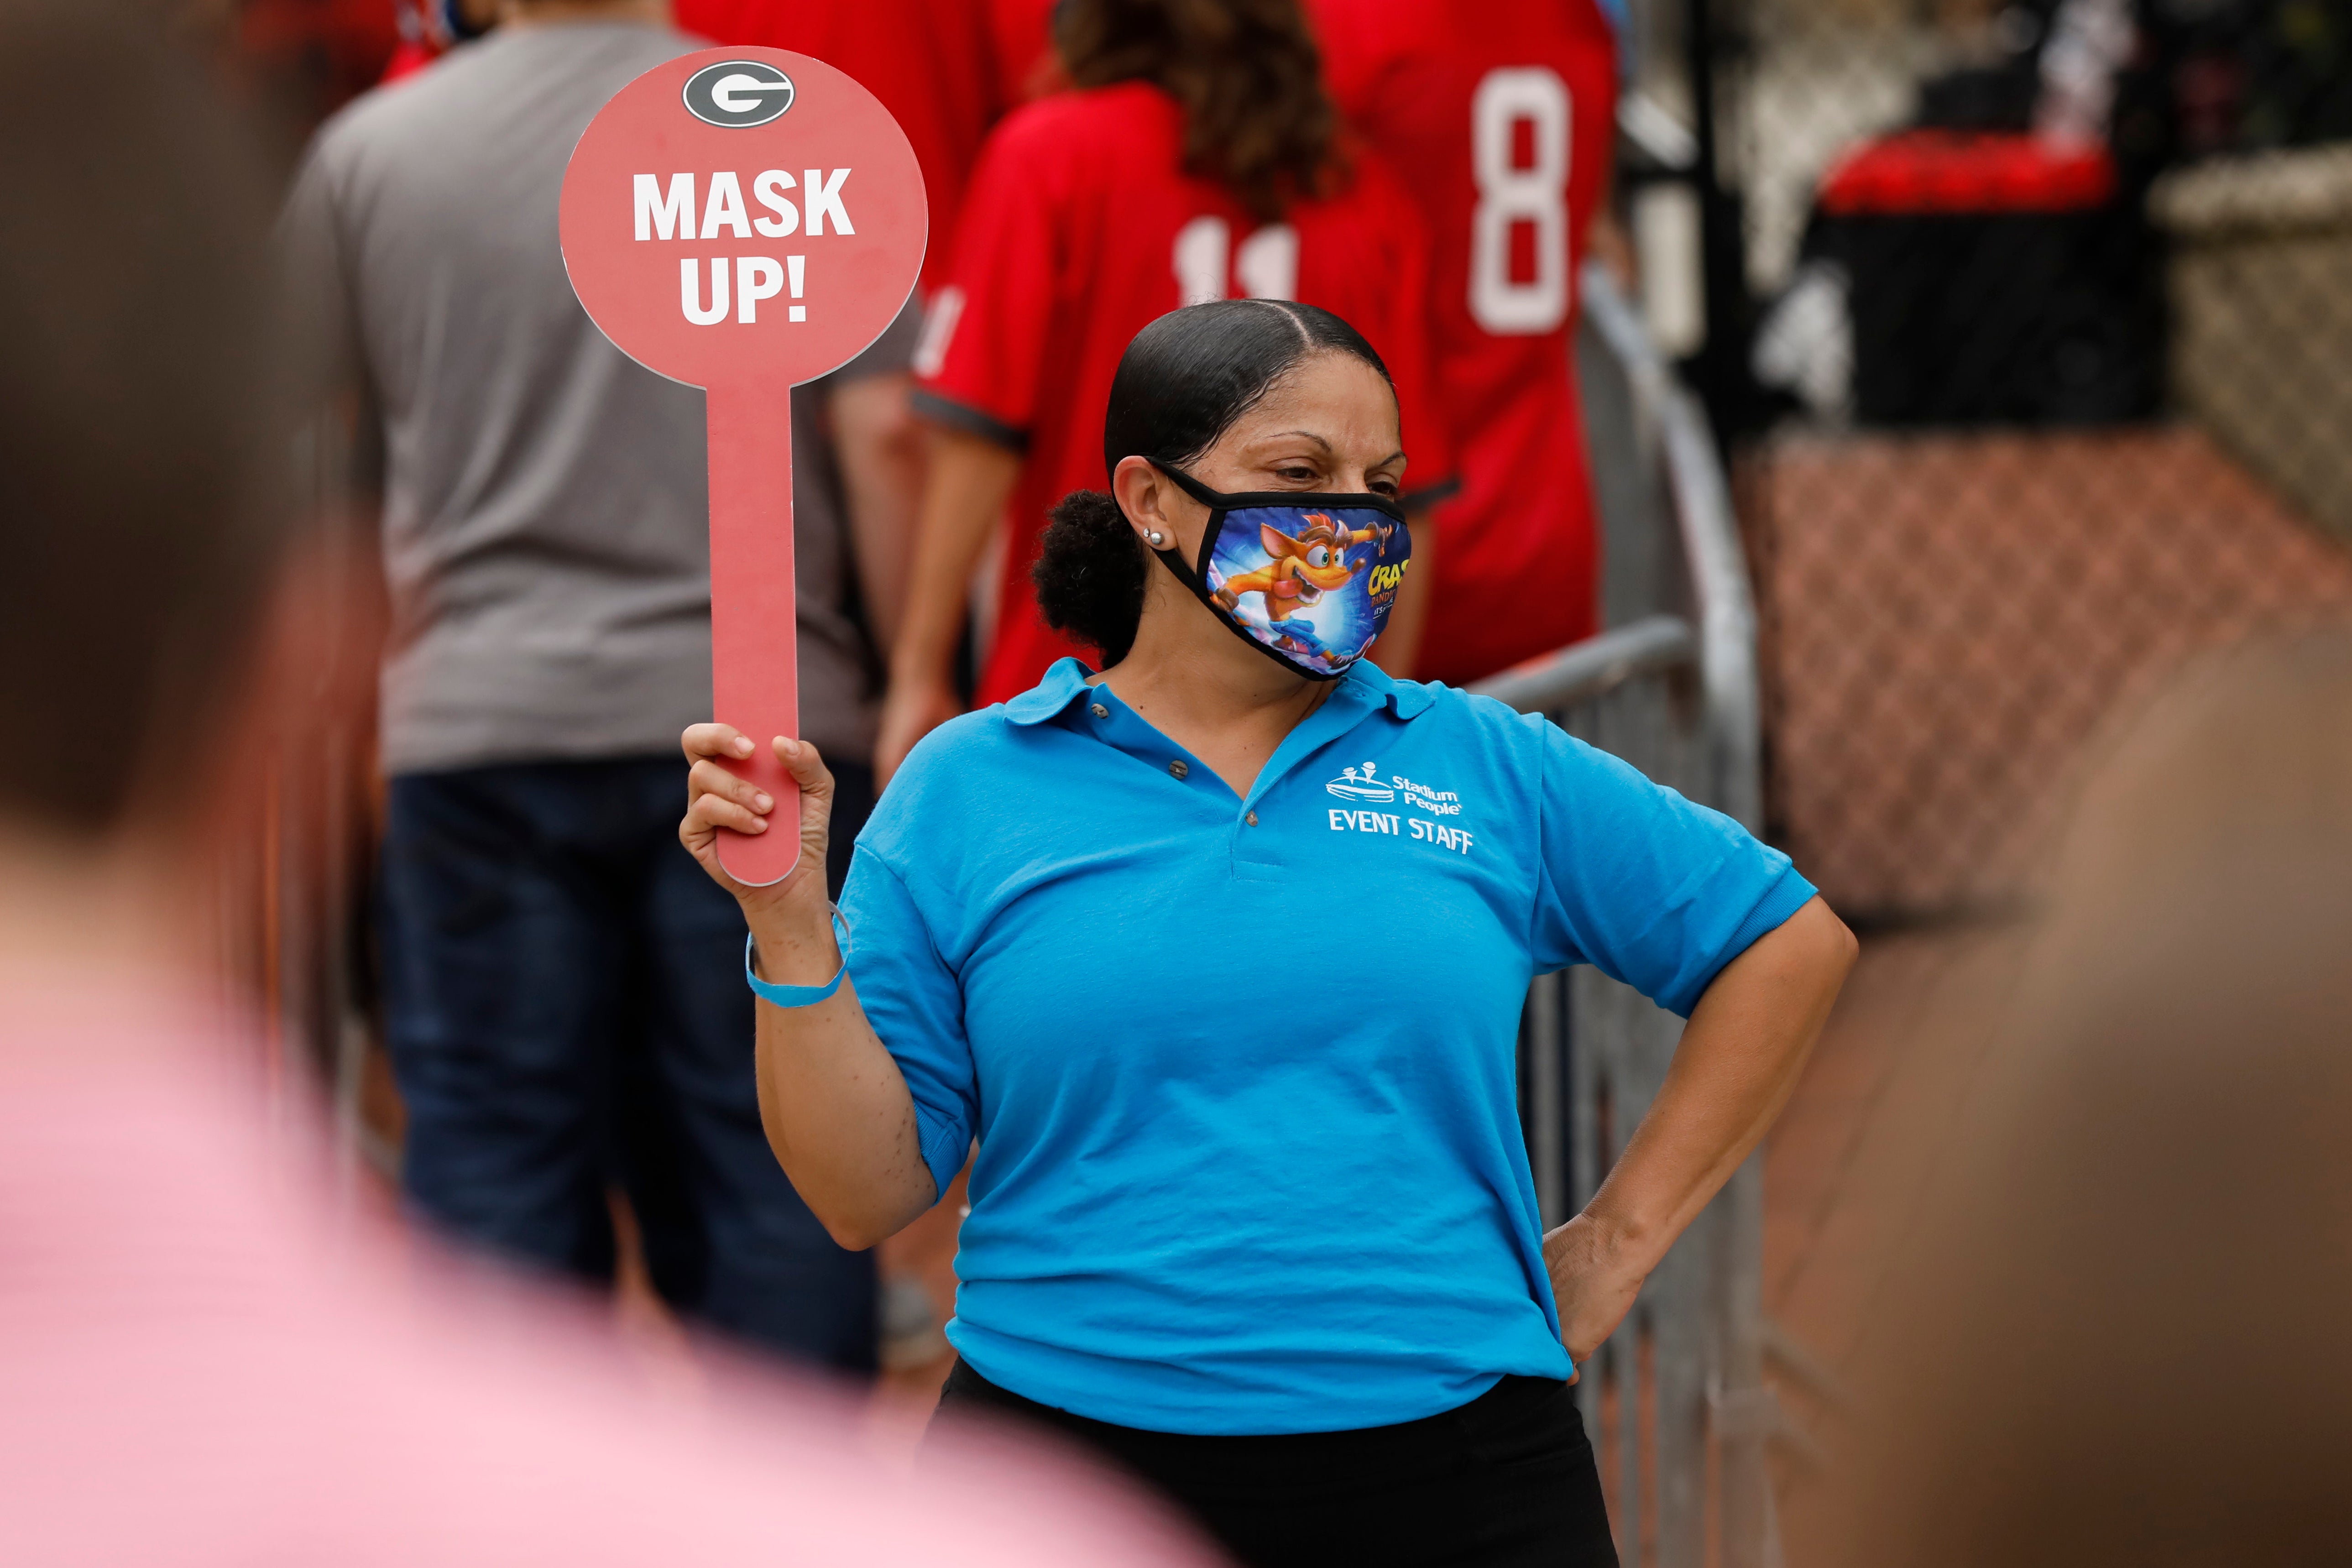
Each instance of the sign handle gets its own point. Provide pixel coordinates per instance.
(755, 667)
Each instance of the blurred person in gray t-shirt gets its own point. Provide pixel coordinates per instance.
(565, 996)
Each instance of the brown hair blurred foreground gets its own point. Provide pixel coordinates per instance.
(136, 404)
(2120, 1332)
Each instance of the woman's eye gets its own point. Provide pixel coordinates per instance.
(1299, 476)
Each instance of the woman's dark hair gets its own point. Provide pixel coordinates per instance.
(1256, 117)
(1181, 383)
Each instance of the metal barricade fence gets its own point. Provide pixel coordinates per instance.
(1675, 1400)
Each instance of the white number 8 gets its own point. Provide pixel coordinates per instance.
(1509, 195)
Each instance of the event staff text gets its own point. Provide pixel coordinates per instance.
(1454, 838)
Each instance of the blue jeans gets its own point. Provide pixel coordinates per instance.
(565, 1010)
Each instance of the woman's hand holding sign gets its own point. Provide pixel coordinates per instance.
(717, 798)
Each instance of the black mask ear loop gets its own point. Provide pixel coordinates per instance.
(1195, 577)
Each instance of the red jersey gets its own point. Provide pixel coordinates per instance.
(1081, 229)
(1499, 115)
(931, 62)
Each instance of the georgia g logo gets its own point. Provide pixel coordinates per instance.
(738, 93)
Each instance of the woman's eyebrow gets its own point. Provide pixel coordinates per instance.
(1308, 435)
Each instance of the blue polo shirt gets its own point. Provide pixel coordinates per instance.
(1244, 1070)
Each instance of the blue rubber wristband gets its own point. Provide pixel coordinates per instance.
(799, 995)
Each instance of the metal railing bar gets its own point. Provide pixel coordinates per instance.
(1710, 536)
(1583, 671)
(1547, 1120)
(1727, 608)
(1621, 329)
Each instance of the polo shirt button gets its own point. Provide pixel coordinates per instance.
(1251, 819)
(1100, 712)
(1178, 768)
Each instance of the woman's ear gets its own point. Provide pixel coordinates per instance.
(1143, 496)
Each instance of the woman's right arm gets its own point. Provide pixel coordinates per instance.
(834, 1105)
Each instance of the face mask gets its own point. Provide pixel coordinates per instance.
(1306, 579)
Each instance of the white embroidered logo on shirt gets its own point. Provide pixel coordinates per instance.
(1365, 783)
(1367, 787)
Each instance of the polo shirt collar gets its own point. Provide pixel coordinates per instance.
(1065, 683)
(1407, 700)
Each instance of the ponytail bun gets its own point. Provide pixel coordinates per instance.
(1089, 574)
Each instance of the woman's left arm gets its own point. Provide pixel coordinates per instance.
(1740, 1055)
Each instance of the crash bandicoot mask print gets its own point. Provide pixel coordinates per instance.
(1306, 579)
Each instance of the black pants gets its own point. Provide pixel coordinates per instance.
(565, 1008)
(1504, 1480)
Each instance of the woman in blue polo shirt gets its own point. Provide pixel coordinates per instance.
(1220, 955)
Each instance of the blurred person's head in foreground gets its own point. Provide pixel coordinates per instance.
(2118, 1334)
(137, 426)
(201, 1362)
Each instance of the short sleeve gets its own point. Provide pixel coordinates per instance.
(318, 296)
(983, 357)
(916, 1005)
(1647, 886)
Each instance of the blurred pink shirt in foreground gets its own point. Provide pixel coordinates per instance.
(200, 1365)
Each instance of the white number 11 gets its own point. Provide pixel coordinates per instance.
(1509, 195)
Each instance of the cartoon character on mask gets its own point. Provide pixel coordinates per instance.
(1296, 574)
(1273, 566)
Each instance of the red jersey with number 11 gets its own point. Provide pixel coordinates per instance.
(1079, 230)
(1498, 115)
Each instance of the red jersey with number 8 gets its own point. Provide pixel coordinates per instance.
(1498, 115)
(1079, 229)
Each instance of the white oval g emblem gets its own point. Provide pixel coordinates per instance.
(736, 93)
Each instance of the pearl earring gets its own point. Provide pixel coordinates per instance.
(1156, 538)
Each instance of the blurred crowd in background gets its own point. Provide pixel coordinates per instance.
(2021, 332)
(2002, 300)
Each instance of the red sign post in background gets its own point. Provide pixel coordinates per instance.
(743, 220)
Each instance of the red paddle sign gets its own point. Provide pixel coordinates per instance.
(743, 220)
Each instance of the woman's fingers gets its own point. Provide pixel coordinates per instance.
(717, 799)
(711, 778)
(801, 759)
(714, 741)
(712, 811)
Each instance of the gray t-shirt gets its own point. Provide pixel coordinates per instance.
(545, 508)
